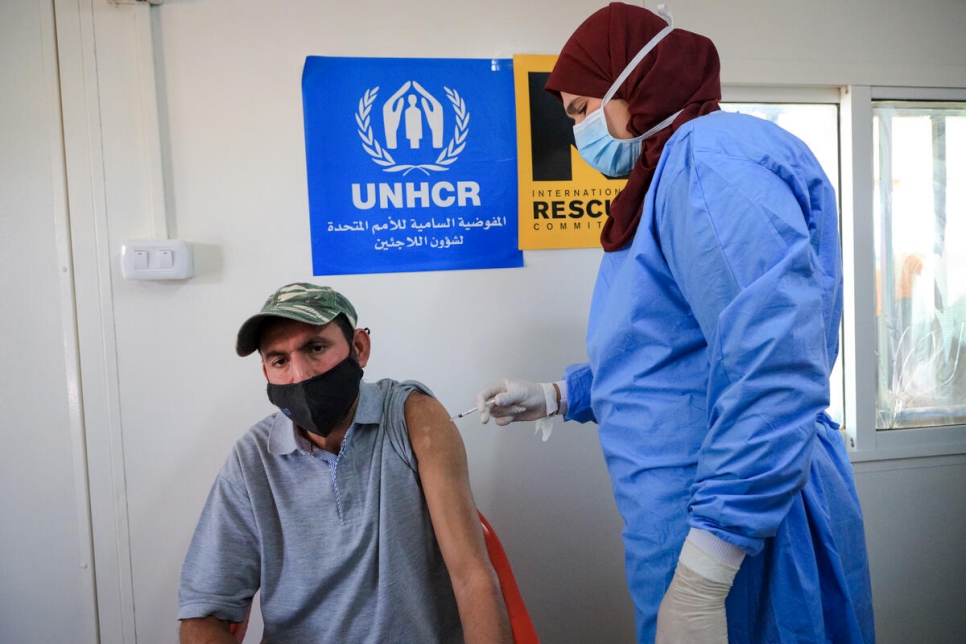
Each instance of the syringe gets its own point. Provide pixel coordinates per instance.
(489, 402)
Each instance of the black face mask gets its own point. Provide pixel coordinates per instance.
(317, 404)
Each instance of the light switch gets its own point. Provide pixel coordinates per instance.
(140, 259)
(156, 259)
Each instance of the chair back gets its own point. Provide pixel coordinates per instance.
(520, 623)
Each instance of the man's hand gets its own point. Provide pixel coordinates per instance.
(693, 609)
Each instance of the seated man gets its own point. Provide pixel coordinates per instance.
(351, 510)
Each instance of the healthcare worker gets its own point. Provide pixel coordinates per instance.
(713, 329)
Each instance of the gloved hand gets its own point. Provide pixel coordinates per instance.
(693, 609)
(514, 400)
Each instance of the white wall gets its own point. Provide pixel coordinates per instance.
(916, 524)
(164, 394)
(832, 42)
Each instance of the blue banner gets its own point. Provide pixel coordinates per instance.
(411, 164)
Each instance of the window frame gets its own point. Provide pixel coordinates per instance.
(856, 198)
(866, 443)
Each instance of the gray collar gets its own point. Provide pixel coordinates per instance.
(283, 439)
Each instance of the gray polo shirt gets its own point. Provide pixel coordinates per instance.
(342, 547)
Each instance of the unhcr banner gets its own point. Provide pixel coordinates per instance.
(411, 164)
(563, 201)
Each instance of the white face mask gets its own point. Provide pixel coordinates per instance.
(608, 155)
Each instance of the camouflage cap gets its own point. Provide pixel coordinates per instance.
(301, 302)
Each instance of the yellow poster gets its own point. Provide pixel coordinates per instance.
(563, 201)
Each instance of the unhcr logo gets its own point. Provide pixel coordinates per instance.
(411, 137)
(404, 135)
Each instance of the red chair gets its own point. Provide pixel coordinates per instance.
(520, 624)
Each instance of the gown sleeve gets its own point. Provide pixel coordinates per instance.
(736, 239)
(579, 378)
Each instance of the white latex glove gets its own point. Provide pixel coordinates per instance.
(693, 609)
(508, 401)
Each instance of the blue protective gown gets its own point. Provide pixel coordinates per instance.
(710, 343)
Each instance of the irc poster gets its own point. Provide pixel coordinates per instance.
(411, 164)
(563, 201)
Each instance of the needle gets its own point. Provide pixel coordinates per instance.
(489, 402)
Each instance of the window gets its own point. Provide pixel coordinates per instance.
(919, 206)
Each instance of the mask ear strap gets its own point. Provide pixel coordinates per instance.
(660, 126)
(663, 12)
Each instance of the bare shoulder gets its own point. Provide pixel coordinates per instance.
(422, 408)
(430, 429)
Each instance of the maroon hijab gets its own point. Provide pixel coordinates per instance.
(681, 73)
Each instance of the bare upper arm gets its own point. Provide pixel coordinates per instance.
(443, 471)
(205, 630)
